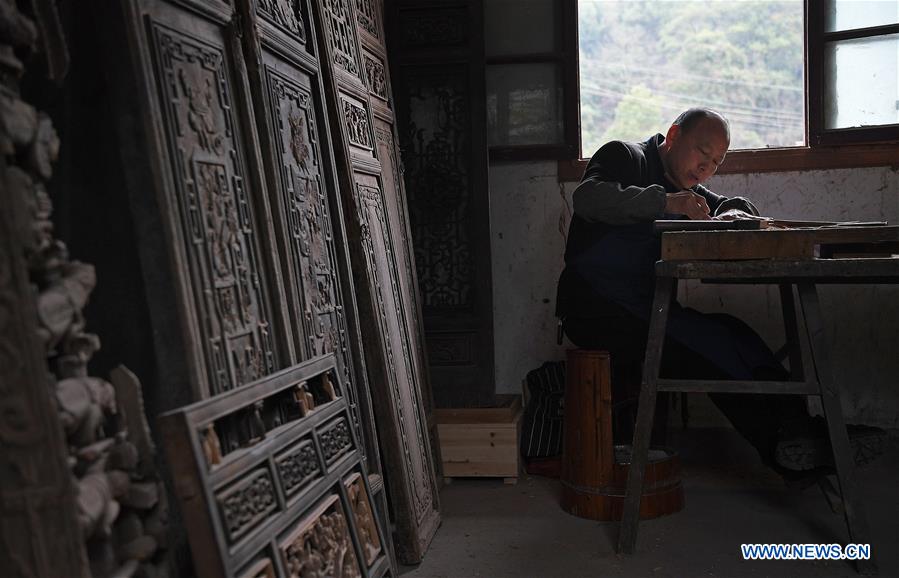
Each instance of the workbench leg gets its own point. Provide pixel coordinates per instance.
(664, 294)
(856, 521)
(798, 361)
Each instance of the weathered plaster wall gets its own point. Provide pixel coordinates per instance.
(862, 321)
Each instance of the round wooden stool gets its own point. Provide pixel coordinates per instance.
(594, 471)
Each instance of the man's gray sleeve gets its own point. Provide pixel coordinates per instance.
(608, 202)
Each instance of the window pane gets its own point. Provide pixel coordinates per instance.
(862, 82)
(520, 26)
(849, 14)
(644, 62)
(524, 104)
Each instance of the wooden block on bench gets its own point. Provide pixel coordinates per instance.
(481, 442)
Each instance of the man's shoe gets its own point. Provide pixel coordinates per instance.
(811, 449)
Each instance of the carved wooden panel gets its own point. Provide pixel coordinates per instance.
(340, 35)
(374, 206)
(214, 210)
(368, 18)
(38, 520)
(360, 505)
(439, 99)
(320, 546)
(375, 75)
(305, 219)
(198, 162)
(401, 401)
(282, 488)
(286, 15)
(308, 226)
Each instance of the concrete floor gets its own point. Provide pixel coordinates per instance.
(494, 530)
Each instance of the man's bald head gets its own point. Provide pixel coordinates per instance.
(690, 119)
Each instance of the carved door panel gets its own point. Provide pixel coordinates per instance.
(358, 96)
(438, 58)
(303, 194)
(237, 205)
(215, 299)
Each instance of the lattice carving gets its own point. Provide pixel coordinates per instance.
(286, 15)
(339, 32)
(437, 175)
(298, 467)
(336, 441)
(375, 76)
(358, 128)
(247, 503)
(312, 248)
(366, 526)
(376, 241)
(321, 546)
(367, 12)
(211, 195)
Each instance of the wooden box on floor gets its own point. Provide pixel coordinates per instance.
(481, 442)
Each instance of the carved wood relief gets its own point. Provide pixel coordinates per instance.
(214, 209)
(340, 34)
(298, 466)
(366, 526)
(371, 201)
(408, 412)
(375, 76)
(306, 204)
(357, 125)
(368, 17)
(80, 492)
(320, 546)
(247, 503)
(294, 509)
(286, 15)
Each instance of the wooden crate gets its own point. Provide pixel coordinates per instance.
(481, 442)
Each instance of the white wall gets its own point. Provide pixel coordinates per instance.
(862, 321)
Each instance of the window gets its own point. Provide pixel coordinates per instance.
(741, 58)
(793, 76)
(531, 78)
(853, 71)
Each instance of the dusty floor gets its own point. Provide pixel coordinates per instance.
(495, 530)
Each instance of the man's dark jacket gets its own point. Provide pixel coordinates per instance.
(609, 270)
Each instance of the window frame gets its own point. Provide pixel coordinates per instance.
(817, 39)
(824, 149)
(566, 57)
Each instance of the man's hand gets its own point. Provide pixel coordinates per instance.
(687, 203)
(737, 214)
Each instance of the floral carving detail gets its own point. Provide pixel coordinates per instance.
(298, 468)
(336, 441)
(248, 503)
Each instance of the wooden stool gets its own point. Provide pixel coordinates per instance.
(594, 471)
